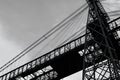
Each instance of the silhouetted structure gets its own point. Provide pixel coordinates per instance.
(96, 53)
(105, 46)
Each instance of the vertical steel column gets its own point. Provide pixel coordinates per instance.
(99, 28)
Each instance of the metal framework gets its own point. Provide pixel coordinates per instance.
(43, 61)
(98, 50)
(106, 47)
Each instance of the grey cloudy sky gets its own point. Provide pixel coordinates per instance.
(24, 21)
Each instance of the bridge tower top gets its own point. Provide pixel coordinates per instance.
(107, 45)
(97, 50)
(96, 9)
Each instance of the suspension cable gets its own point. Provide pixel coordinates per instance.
(41, 39)
(72, 37)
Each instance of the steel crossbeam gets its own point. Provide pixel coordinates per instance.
(94, 49)
(43, 60)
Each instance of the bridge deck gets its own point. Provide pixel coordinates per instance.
(64, 60)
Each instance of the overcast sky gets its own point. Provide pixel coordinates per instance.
(24, 21)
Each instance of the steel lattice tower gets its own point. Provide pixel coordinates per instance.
(97, 53)
(104, 48)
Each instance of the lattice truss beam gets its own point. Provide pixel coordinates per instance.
(99, 55)
(39, 68)
(103, 67)
(46, 73)
(104, 52)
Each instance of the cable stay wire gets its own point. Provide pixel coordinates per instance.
(69, 26)
(47, 35)
(72, 37)
(63, 33)
(44, 37)
(59, 35)
(77, 34)
(114, 13)
(111, 13)
(62, 30)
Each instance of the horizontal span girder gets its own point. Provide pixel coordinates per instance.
(59, 59)
(44, 60)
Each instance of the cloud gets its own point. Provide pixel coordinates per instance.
(8, 50)
(111, 5)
